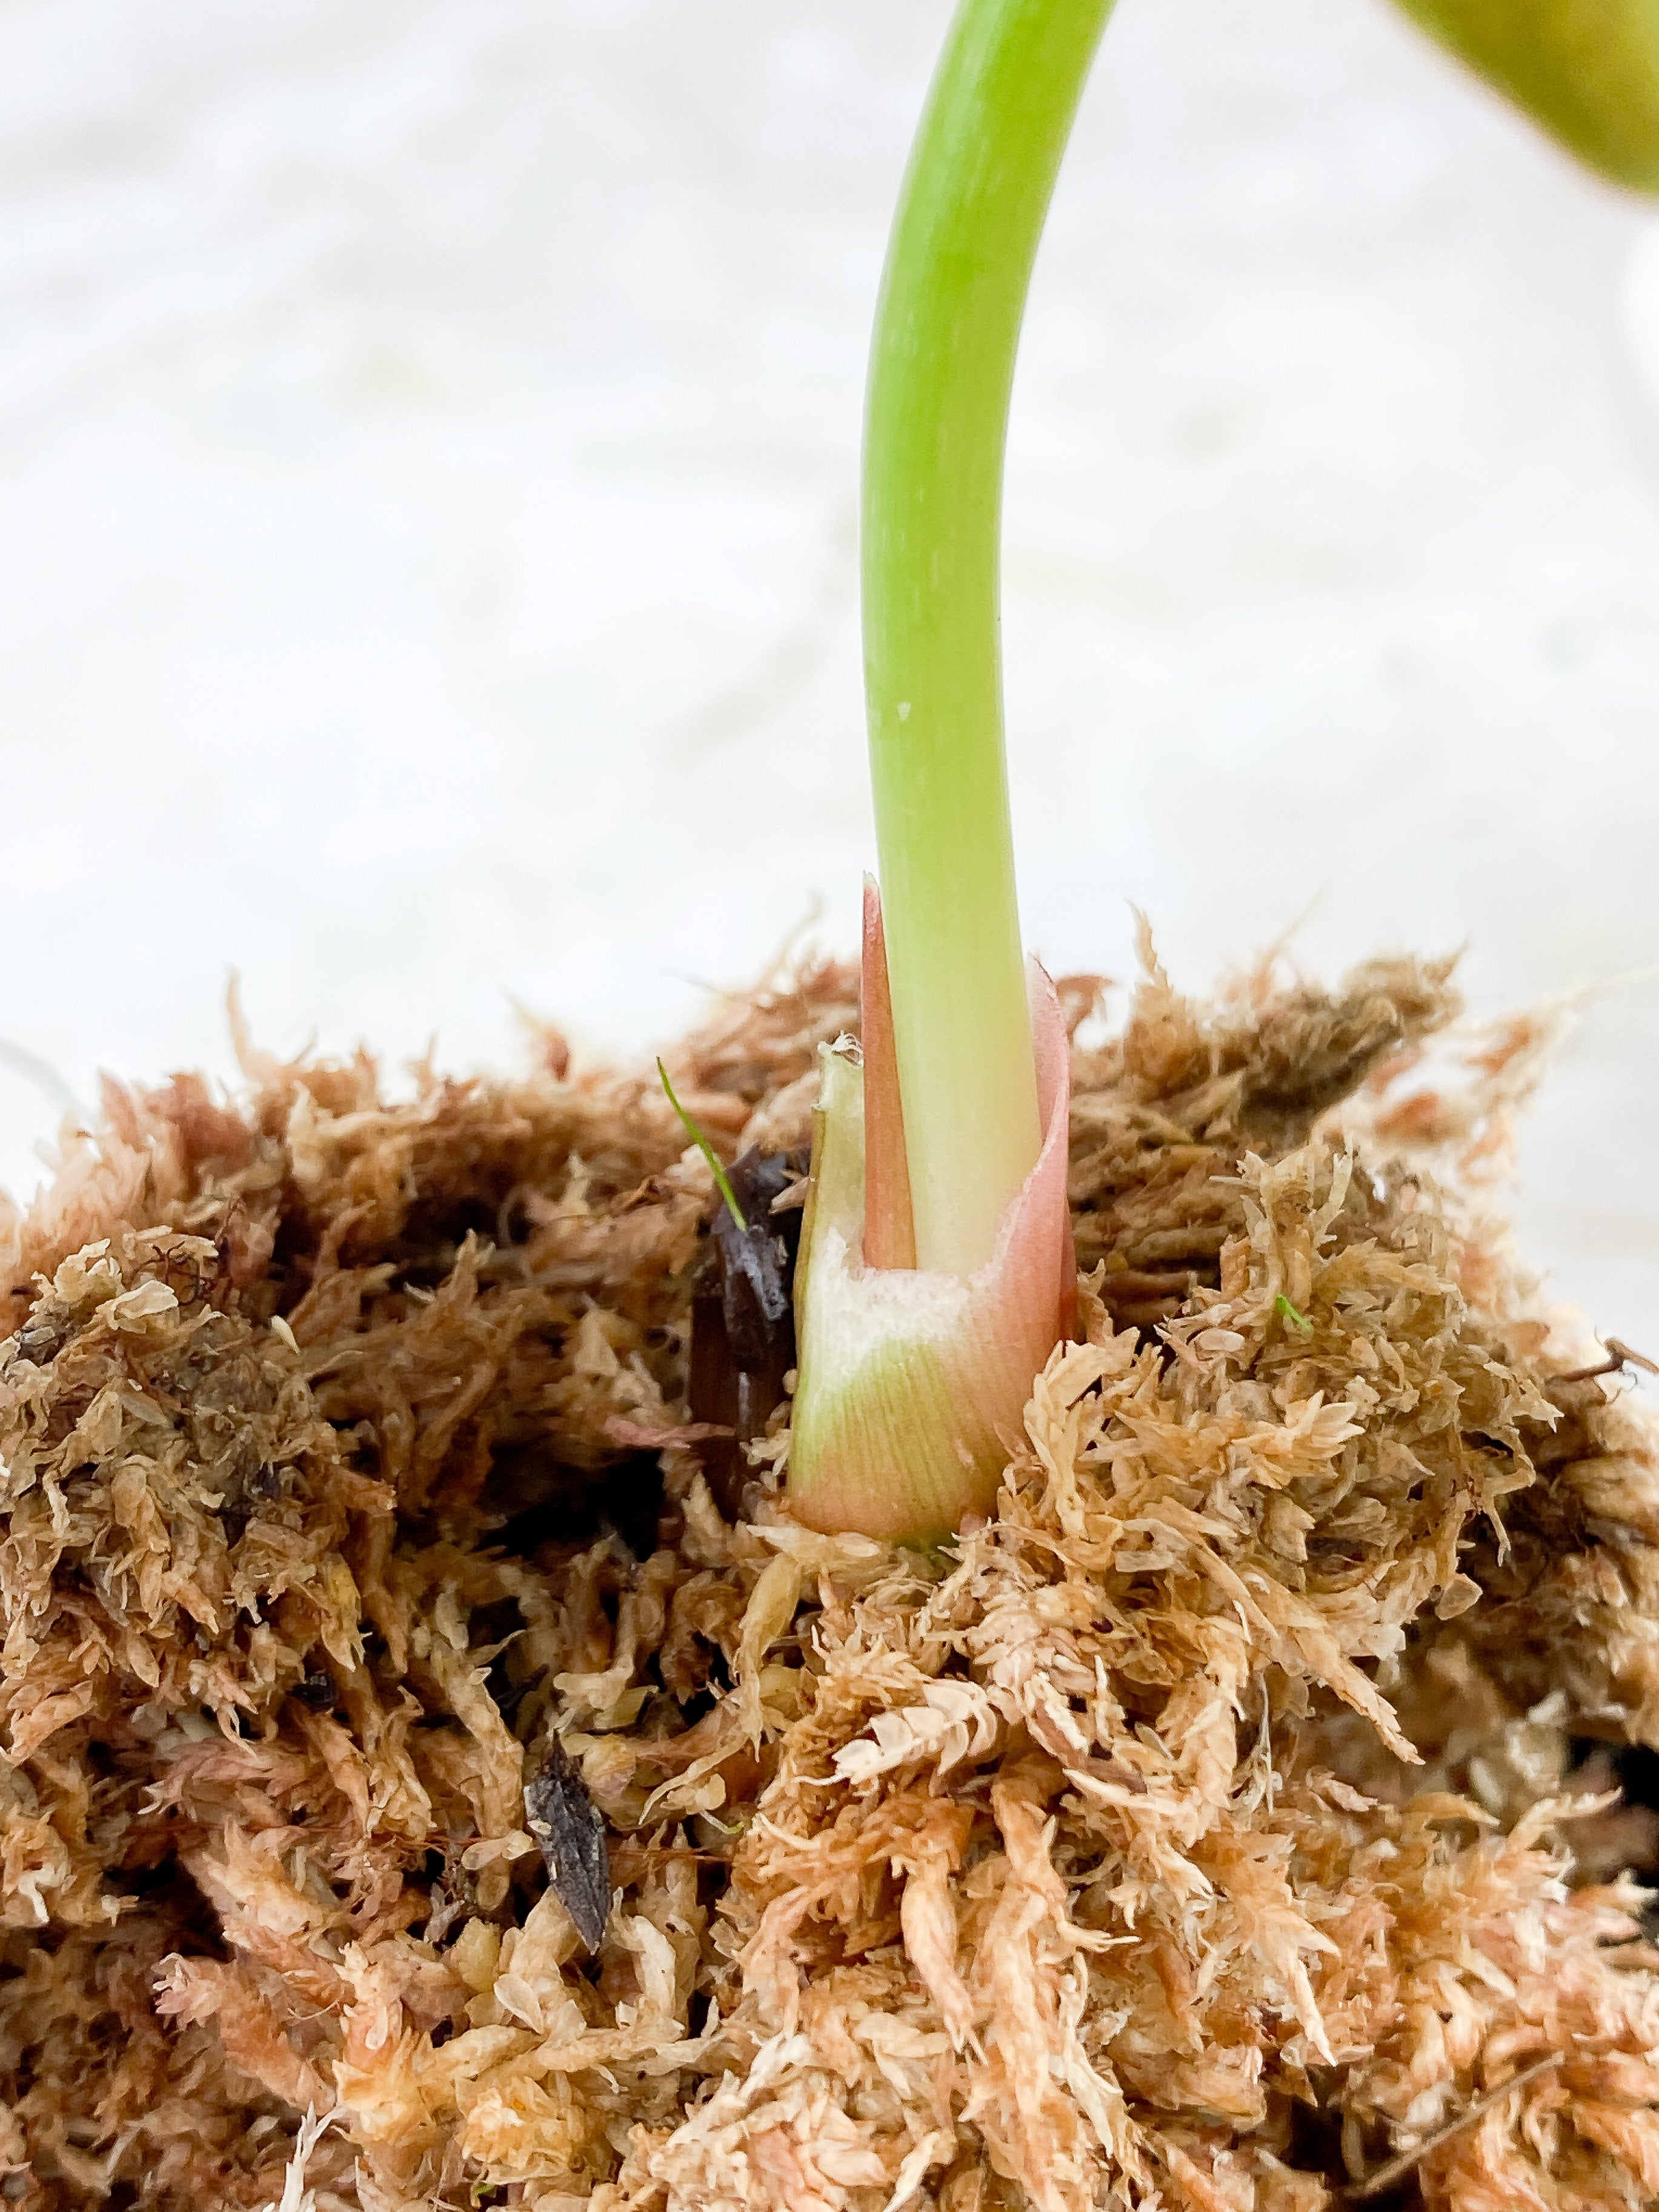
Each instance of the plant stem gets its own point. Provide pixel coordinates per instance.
(947, 329)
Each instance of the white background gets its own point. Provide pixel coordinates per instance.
(428, 454)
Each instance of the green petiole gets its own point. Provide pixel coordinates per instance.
(947, 328)
(936, 1272)
(722, 1182)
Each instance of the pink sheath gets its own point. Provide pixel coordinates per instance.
(913, 1384)
(890, 1235)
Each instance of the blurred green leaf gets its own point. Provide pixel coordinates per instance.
(1586, 71)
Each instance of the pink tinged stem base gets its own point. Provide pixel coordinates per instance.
(890, 1229)
(912, 1383)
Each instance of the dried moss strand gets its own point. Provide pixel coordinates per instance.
(1400, 2169)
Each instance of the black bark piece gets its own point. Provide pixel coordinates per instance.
(743, 1318)
(317, 1690)
(756, 1263)
(571, 1829)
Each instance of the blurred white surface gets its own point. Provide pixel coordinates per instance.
(427, 452)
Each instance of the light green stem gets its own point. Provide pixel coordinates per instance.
(947, 328)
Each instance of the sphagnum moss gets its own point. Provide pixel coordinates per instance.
(1226, 1814)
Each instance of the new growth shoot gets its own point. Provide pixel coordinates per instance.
(936, 1271)
(722, 1181)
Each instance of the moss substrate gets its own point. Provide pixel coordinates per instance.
(1234, 1813)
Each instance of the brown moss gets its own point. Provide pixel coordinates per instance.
(1232, 1813)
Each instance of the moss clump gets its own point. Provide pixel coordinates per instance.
(1232, 1811)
